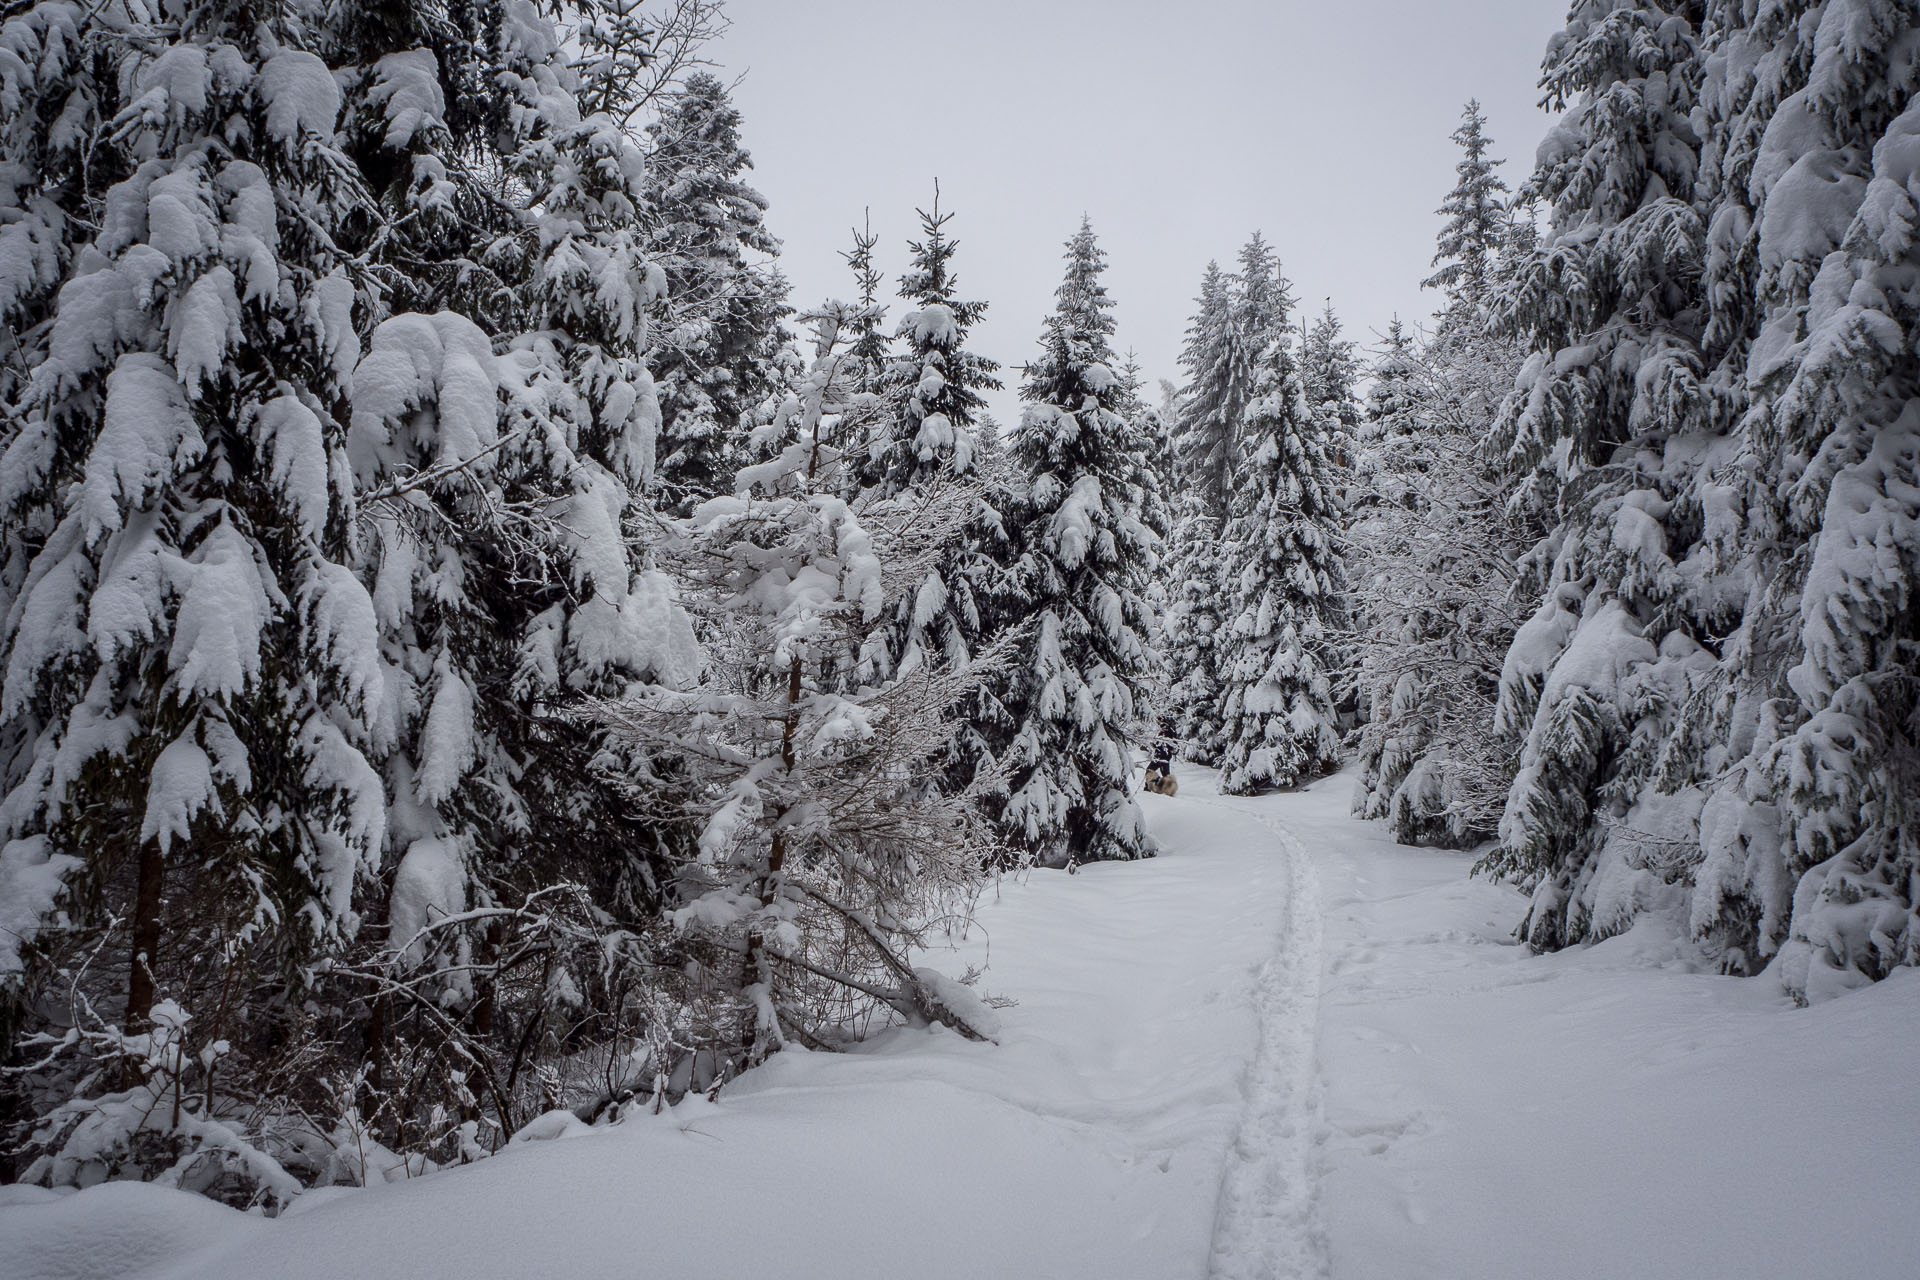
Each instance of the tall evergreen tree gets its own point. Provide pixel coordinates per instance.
(320, 453)
(1074, 687)
(933, 388)
(1602, 432)
(1284, 584)
(867, 346)
(1239, 314)
(1717, 691)
(1433, 543)
(1222, 353)
(1202, 444)
(1432, 551)
(1149, 429)
(1264, 301)
(1194, 632)
(821, 857)
(921, 453)
(1809, 839)
(719, 328)
(181, 600)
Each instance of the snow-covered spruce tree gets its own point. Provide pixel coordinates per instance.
(1393, 396)
(1160, 408)
(920, 449)
(1810, 842)
(1160, 513)
(719, 325)
(990, 449)
(1284, 585)
(1075, 680)
(1264, 300)
(933, 386)
(314, 482)
(1391, 412)
(1221, 358)
(1149, 431)
(1160, 416)
(193, 700)
(1613, 417)
(1202, 463)
(1395, 733)
(501, 457)
(1215, 393)
(820, 857)
(1193, 632)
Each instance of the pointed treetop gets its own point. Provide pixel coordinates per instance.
(696, 163)
(1076, 337)
(1331, 368)
(859, 259)
(868, 350)
(1081, 293)
(1208, 320)
(1393, 395)
(1266, 297)
(929, 280)
(1476, 215)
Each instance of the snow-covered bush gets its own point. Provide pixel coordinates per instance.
(168, 1122)
(1431, 558)
(821, 855)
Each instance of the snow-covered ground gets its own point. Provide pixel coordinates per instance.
(1611, 1111)
(1285, 1048)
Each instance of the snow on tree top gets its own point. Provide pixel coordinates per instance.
(933, 325)
(407, 85)
(300, 94)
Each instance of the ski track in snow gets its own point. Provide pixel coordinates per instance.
(1267, 1225)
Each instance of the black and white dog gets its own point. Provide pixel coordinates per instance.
(1160, 779)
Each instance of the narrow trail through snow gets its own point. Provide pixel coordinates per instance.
(1267, 1224)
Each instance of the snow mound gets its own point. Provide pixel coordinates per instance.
(114, 1229)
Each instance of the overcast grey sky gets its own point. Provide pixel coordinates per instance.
(1178, 127)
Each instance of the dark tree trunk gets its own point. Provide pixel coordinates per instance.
(145, 950)
(147, 903)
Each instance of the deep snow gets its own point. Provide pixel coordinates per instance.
(1287, 1047)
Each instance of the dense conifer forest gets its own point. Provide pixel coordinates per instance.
(475, 645)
